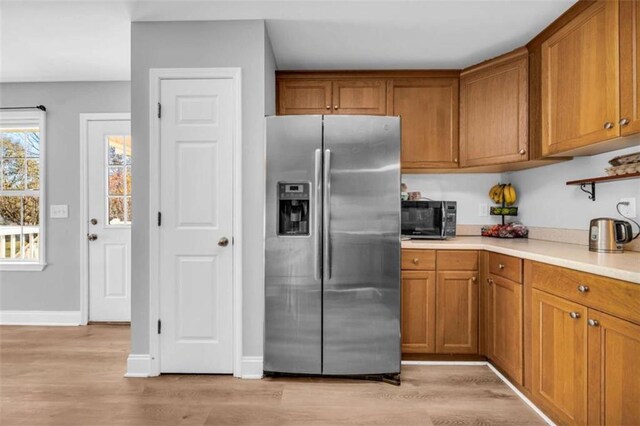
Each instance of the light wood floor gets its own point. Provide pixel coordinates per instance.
(74, 375)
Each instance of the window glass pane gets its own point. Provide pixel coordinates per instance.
(10, 229)
(128, 187)
(31, 230)
(127, 149)
(32, 143)
(13, 176)
(33, 173)
(116, 149)
(116, 210)
(129, 213)
(116, 180)
(13, 143)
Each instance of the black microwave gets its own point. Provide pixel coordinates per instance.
(434, 220)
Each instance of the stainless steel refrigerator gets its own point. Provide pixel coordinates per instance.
(332, 246)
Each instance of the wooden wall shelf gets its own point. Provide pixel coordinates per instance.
(584, 183)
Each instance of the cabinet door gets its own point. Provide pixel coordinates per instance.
(363, 97)
(304, 96)
(505, 319)
(580, 73)
(614, 370)
(559, 360)
(494, 107)
(428, 108)
(457, 312)
(418, 311)
(629, 63)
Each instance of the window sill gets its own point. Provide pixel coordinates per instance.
(22, 266)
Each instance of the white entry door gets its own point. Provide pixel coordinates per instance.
(196, 293)
(109, 196)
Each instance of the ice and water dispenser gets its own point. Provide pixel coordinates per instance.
(293, 208)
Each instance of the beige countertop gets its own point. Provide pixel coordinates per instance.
(622, 266)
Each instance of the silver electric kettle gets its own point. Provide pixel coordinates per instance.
(608, 235)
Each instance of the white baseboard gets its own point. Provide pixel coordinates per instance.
(138, 365)
(251, 367)
(444, 362)
(40, 318)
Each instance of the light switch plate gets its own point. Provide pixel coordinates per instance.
(630, 210)
(59, 211)
(483, 210)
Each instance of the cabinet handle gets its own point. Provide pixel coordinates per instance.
(522, 151)
(328, 106)
(608, 125)
(593, 323)
(416, 260)
(335, 107)
(501, 266)
(574, 315)
(624, 121)
(583, 288)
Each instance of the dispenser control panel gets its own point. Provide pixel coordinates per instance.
(293, 208)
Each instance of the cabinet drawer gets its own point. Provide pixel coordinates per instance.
(612, 296)
(424, 260)
(457, 260)
(508, 267)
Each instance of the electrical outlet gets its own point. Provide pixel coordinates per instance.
(628, 210)
(483, 210)
(60, 211)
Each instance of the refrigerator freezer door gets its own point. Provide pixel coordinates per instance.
(361, 307)
(293, 285)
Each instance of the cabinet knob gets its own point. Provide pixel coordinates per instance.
(455, 160)
(328, 106)
(416, 260)
(501, 266)
(522, 151)
(583, 288)
(624, 121)
(574, 315)
(593, 322)
(473, 279)
(335, 107)
(608, 125)
(92, 237)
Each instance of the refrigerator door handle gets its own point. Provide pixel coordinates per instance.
(317, 218)
(326, 213)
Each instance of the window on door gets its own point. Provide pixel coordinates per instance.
(118, 203)
(21, 190)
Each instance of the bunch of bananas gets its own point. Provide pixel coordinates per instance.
(503, 192)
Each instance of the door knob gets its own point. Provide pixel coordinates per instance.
(94, 221)
(223, 242)
(92, 237)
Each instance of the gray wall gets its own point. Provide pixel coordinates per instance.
(270, 68)
(193, 45)
(57, 288)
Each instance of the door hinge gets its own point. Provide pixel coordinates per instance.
(159, 326)
(159, 110)
(159, 218)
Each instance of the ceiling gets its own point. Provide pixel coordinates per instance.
(90, 40)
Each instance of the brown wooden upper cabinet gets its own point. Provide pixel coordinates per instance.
(317, 96)
(629, 63)
(586, 65)
(428, 108)
(494, 107)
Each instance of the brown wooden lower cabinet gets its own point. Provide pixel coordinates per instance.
(457, 312)
(504, 343)
(418, 311)
(614, 370)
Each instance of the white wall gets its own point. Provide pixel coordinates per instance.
(469, 190)
(546, 201)
(57, 287)
(199, 44)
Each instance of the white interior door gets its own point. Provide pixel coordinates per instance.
(109, 187)
(196, 293)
